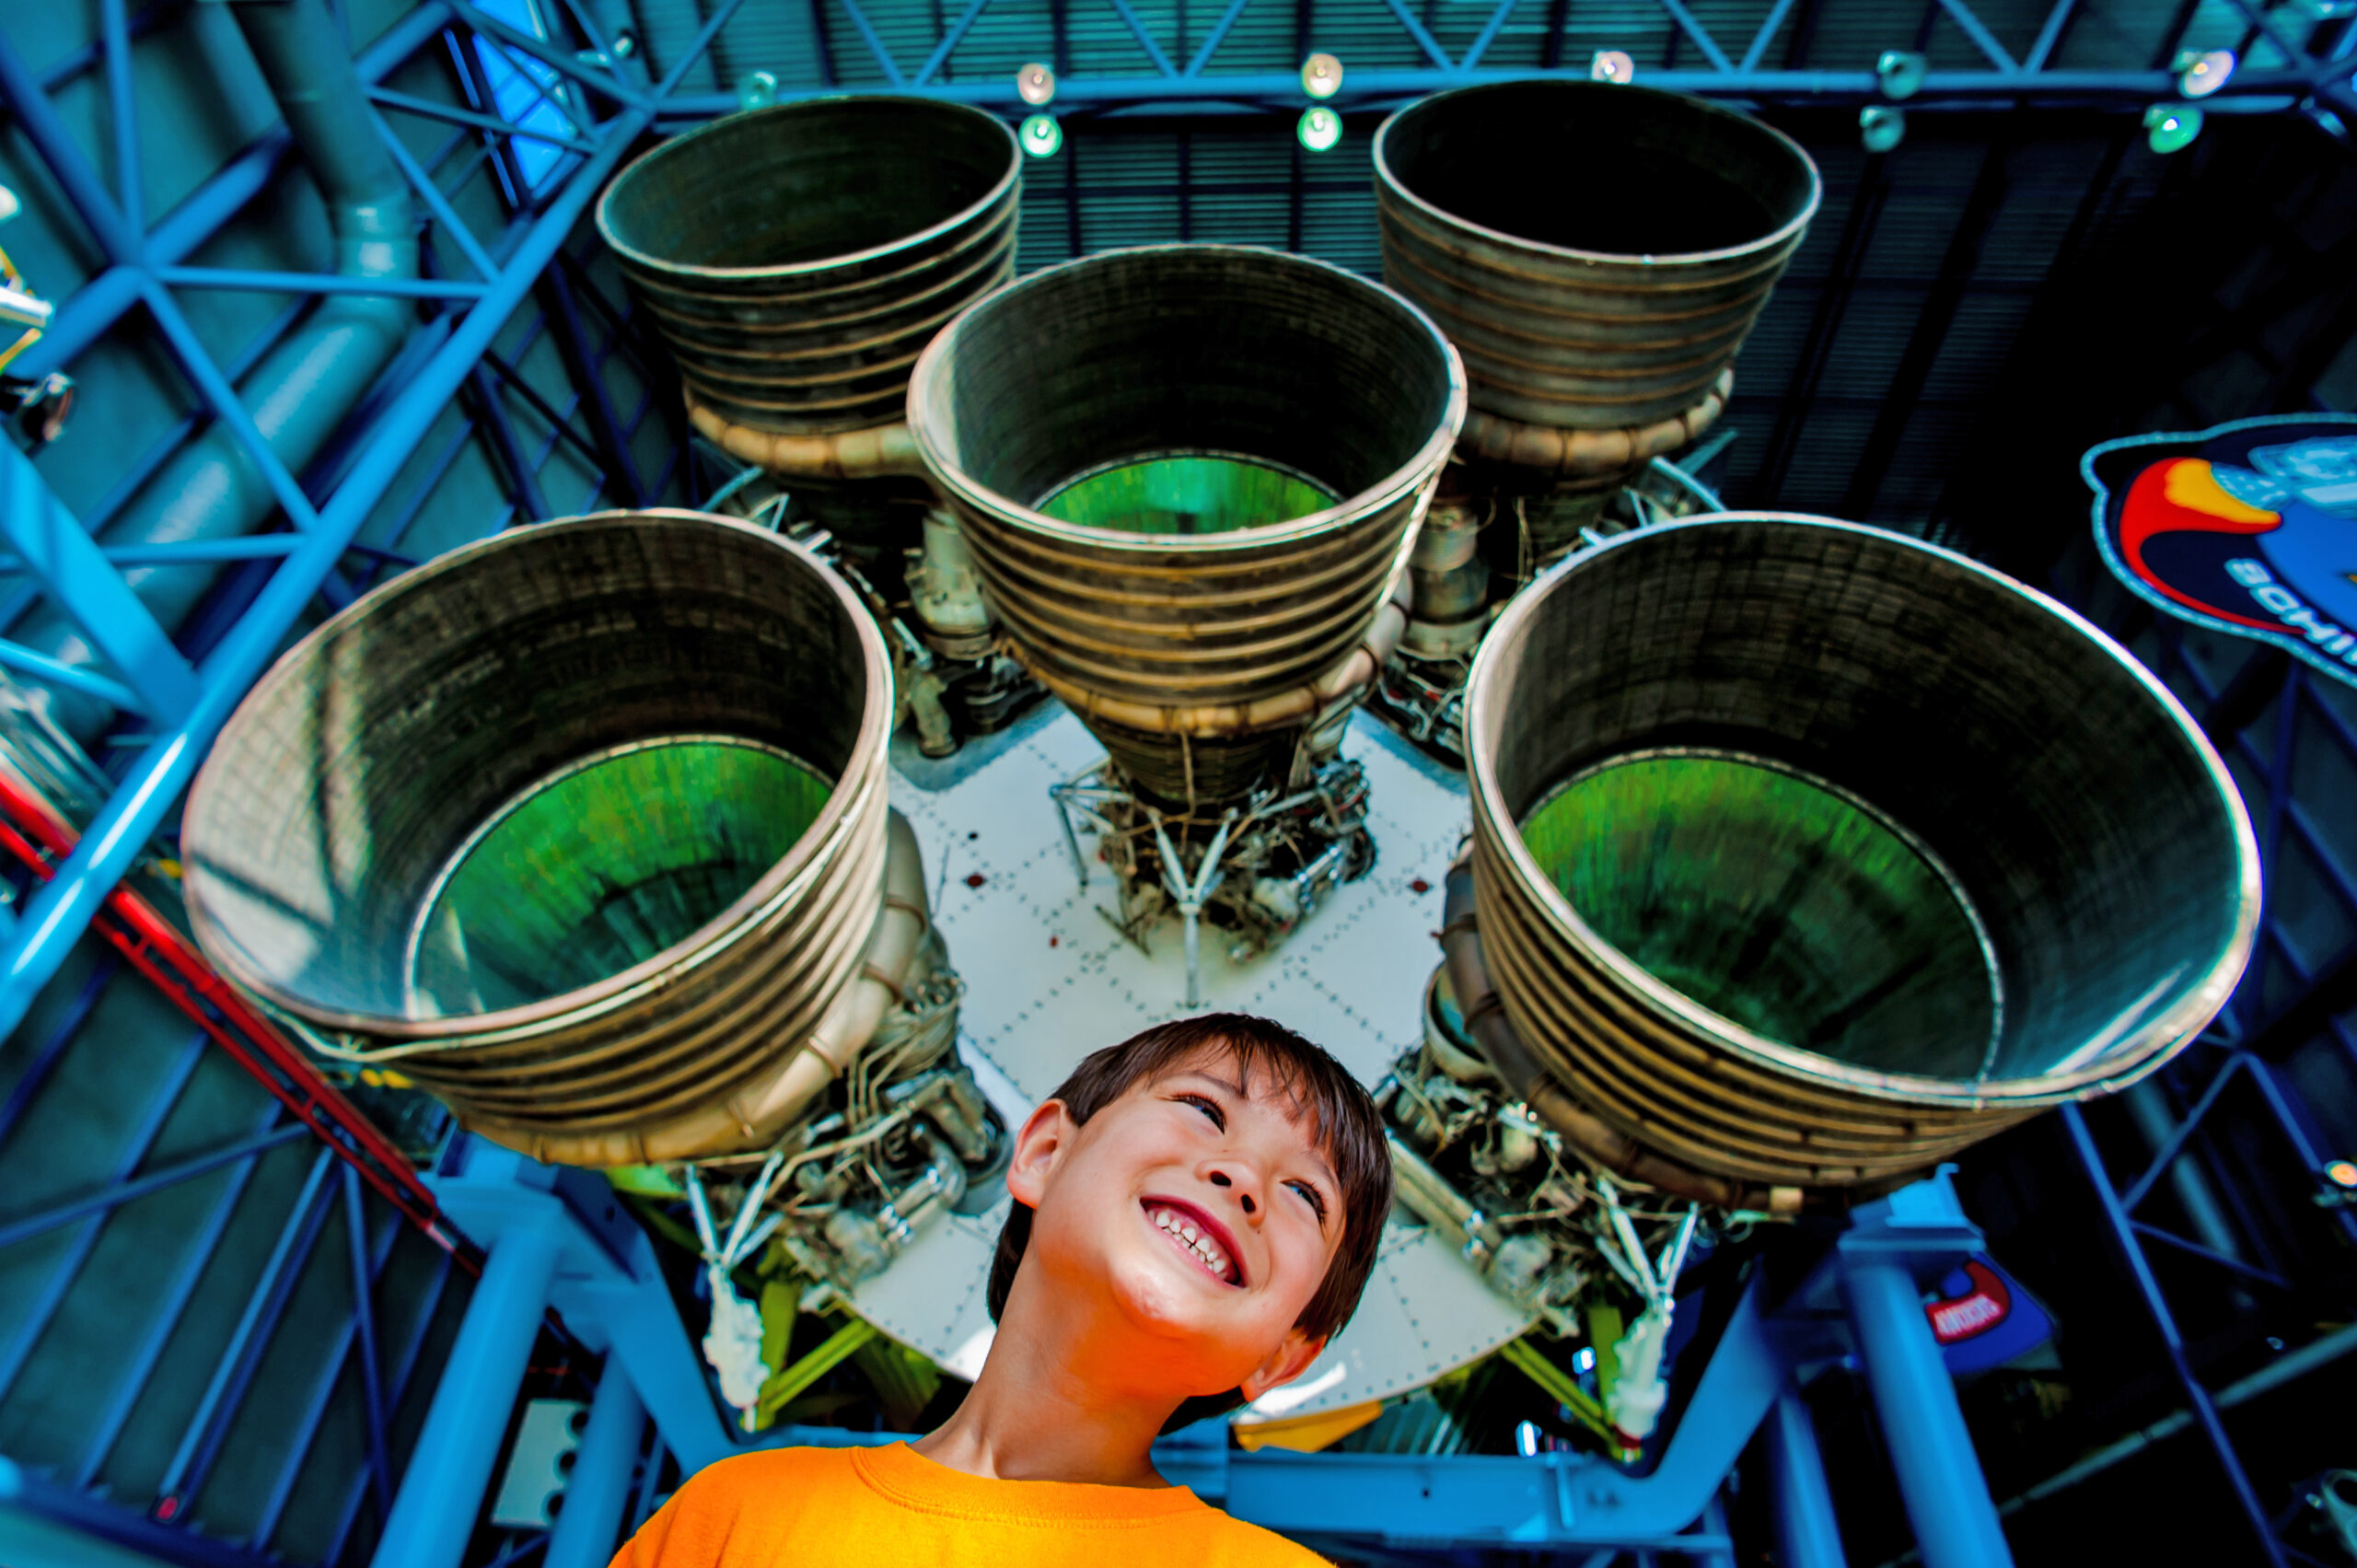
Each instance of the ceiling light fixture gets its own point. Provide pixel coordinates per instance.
(1042, 135)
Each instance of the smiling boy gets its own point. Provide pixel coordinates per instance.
(1196, 1212)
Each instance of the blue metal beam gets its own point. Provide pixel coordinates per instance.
(123, 111)
(208, 1428)
(49, 539)
(587, 371)
(2164, 1321)
(115, 1196)
(451, 114)
(1765, 36)
(162, 1095)
(950, 38)
(600, 1484)
(430, 191)
(1693, 29)
(2149, 1232)
(172, 1296)
(451, 1463)
(1939, 1474)
(41, 666)
(595, 77)
(396, 1386)
(44, 1499)
(259, 282)
(1807, 1533)
(355, 1342)
(364, 1321)
(51, 1050)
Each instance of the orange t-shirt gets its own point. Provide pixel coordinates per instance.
(820, 1507)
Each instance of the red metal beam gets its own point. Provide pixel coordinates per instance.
(32, 831)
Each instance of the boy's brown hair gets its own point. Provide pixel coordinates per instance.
(1344, 1120)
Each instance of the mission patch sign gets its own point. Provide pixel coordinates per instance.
(2248, 527)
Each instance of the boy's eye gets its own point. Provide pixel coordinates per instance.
(1209, 1107)
(1316, 1200)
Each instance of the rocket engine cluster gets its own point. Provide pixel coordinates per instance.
(1802, 854)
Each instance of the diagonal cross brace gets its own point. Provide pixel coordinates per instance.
(1703, 41)
(69, 563)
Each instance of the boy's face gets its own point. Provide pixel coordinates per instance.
(1203, 1207)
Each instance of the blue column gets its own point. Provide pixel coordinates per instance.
(651, 1347)
(1939, 1474)
(442, 1488)
(1808, 1534)
(591, 1513)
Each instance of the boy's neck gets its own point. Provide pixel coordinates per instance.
(1060, 1397)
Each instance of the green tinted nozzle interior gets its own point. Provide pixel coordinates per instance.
(605, 864)
(1779, 902)
(1186, 494)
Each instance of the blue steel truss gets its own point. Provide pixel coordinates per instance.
(2279, 723)
(187, 701)
(1733, 63)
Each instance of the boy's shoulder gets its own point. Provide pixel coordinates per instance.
(769, 1485)
(1229, 1541)
(818, 1504)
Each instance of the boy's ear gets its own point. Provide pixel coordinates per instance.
(1040, 1146)
(1289, 1361)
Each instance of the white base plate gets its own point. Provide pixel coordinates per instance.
(1048, 981)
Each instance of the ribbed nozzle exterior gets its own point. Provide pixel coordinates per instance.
(797, 259)
(1165, 638)
(325, 833)
(2079, 812)
(1597, 252)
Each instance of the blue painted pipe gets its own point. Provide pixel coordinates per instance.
(1808, 1534)
(591, 1515)
(449, 1468)
(1939, 1474)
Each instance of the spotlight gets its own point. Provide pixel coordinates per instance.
(1881, 129)
(1901, 72)
(1321, 76)
(2171, 127)
(1042, 135)
(1612, 65)
(2343, 1174)
(1035, 85)
(1319, 128)
(758, 90)
(2199, 74)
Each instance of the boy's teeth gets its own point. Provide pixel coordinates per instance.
(1197, 1242)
